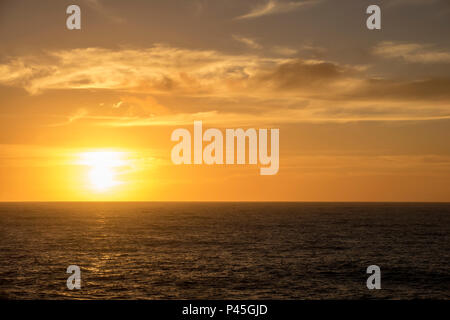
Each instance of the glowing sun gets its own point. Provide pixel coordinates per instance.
(103, 170)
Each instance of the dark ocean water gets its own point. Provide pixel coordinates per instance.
(224, 250)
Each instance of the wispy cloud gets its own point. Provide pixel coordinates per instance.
(117, 105)
(251, 43)
(275, 6)
(156, 69)
(98, 6)
(411, 2)
(79, 114)
(284, 51)
(267, 120)
(240, 88)
(412, 52)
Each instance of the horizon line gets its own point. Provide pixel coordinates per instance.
(216, 201)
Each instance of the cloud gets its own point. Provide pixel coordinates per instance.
(79, 114)
(284, 51)
(425, 90)
(99, 7)
(301, 74)
(117, 105)
(156, 69)
(251, 43)
(412, 52)
(269, 118)
(411, 2)
(167, 70)
(274, 7)
(162, 84)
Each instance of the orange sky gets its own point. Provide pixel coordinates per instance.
(87, 115)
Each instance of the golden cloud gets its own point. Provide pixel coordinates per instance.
(234, 86)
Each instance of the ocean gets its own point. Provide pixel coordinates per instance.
(224, 250)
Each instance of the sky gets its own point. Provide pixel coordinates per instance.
(88, 114)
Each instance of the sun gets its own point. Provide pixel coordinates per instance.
(103, 168)
(102, 178)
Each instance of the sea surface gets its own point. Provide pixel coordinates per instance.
(224, 250)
